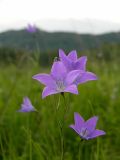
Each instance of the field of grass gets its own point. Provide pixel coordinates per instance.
(36, 135)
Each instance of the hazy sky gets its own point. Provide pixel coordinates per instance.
(20, 12)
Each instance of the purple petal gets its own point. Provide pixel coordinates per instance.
(72, 76)
(79, 121)
(31, 28)
(27, 101)
(72, 55)
(45, 79)
(81, 63)
(26, 108)
(66, 61)
(58, 71)
(96, 133)
(74, 128)
(90, 124)
(72, 89)
(86, 76)
(48, 91)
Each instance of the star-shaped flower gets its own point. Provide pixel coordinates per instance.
(59, 80)
(26, 106)
(86, 129)
(73, 63)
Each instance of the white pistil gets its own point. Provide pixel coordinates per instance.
(84, 132)
(60, 85)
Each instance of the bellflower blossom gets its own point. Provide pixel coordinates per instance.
(26, 106)
(31, 28)
(58, 81)
(72, 63)
(86, 129)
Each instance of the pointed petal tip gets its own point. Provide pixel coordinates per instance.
(43, 96)
(34, 77)
(95, 118)
(71, 126)
(84, 57)
(95, 77)
(76, 114)
(104, 132)
(61, 51)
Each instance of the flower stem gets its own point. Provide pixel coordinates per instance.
(29, 138)
(60, 125)
(62, 143)
(66, 107)
(80, 147)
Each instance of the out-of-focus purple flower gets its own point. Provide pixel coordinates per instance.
(31, 28)
(73, 63)
(58, 81)
(26, 106)
(86, 129)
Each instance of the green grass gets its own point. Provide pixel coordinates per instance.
(36, 136)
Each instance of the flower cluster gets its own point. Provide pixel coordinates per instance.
(66, 74)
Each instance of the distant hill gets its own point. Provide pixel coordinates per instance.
(90, 26)
(47, 41)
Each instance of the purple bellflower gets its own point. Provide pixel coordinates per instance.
(31, 28)
(26, 106)
(58, 81)
(73, 63)
(86, 129)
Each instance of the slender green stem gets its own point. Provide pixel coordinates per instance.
(30, 144)
(29, 138)
(59, 124)
(62, 143)
(91, 107)
(80, 147)
(98, 148)
(2, 148)
(79, 154)
(62, 126)
(66, 107)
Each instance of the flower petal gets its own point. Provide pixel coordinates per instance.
(26, 101)
(48, 91)
(72, 55)
(45, 79)
(86, 76)
(25, 108)
(72, 89)
(66, 61)
(79, 121)
(72, 76)
(90, 124)
(74, 128)
(96, 133)
(58, 71)
(81, 63)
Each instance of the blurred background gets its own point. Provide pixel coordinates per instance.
(31, 33)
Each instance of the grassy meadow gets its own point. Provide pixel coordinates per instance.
(36, 135)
